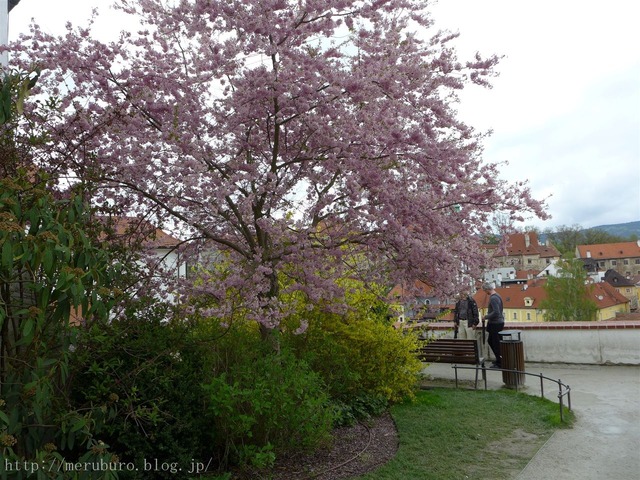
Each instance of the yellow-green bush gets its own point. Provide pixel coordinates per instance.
(358, 352)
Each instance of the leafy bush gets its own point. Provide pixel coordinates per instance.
(360, 407)
(193, 389)
(146, 375)
(359, 355)
(266, 403)
(51, 277)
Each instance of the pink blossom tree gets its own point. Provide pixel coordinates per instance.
(305, 139)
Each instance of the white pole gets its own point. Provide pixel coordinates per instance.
(4, 30)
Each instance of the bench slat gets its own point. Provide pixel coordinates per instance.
(450, 351)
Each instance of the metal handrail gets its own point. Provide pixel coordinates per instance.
(561, 393)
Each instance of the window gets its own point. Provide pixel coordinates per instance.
(515, 315)
(628, 290)
(626, 261)
(528, 315)
(637, 261)
(601, 264)
(614, 262)
(529, 261)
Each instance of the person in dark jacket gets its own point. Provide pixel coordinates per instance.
(466, 317)
(495, 322)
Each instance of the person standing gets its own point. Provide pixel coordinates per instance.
(466, 317)
(495, 322)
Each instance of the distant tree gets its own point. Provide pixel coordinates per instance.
(594, 236)
(533, 229)
(567, 294)
(294, 136)
(565, 238)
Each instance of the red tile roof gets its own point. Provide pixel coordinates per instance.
(407, 292)
(132, 229)
(605, 295)
(609, 250)
(514, 297)
(528, 244)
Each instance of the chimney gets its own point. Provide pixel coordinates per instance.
(527, 240)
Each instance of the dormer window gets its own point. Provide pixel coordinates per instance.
(528, 301)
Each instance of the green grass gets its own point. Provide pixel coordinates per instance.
(458, 434)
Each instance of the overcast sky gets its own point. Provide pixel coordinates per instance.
(565, 110)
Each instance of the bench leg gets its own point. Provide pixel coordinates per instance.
(484, 375)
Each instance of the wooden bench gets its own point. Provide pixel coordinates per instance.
(448, 350)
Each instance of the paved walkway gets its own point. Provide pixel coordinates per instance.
(604, 443)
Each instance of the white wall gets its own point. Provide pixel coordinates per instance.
(594, 344)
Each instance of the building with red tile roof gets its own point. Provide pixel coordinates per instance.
(625, 286)
(522, 303)
(525, 252)
(623, 257)
(415, 302)
(136, 230)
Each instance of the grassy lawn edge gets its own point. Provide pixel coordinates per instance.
(448, 433)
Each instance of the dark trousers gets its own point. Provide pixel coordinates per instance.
(494, 340)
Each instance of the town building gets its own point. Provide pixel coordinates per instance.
(624, 286)
(523, 303)
(415, 302)
(623, 257)
(525, 252)
(140, 234)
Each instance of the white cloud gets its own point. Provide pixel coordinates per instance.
(565, 110)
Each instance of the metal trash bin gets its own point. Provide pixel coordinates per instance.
(512, 351)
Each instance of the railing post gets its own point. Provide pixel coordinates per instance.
(560, 398)
(561, 394)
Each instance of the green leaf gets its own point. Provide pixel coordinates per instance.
(47, 262)
(27, 328)
(5, 102)
(71, 439)
(7, 255)
(4, 418)
(43, 298)
(79, 424)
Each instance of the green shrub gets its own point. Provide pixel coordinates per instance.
(146, 375)
(360, 407)
(269, 403)
(50, 275)
(359, 354)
